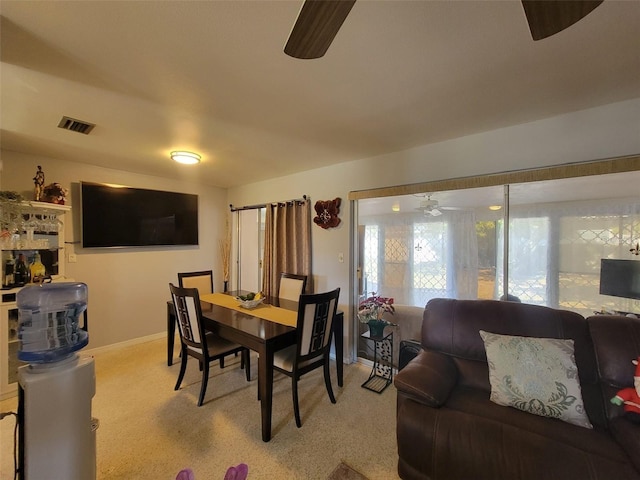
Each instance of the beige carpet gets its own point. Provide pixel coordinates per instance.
(149, 431)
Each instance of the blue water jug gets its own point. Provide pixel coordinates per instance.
(48, 327)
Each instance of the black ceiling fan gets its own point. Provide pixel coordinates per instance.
(317, 25)
(548, 17)
(319, 21)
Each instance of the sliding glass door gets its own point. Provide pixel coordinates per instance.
(455, 244)
(555, 247)
(414, 253)
(248, 249)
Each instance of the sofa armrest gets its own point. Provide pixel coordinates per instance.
(627, 435)
(428, 378)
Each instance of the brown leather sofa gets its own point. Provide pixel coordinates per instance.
(447, 428)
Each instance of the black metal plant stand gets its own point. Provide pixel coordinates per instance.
(382, 372)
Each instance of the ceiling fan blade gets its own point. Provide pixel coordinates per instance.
(548, 17)
(317, 25)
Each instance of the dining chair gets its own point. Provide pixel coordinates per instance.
(195, 342)
(291, 286)
(203, 281)
(314, 326)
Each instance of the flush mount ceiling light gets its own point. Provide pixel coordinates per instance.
(188, 158)
(495, 207)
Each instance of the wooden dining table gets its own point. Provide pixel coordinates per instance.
(264, 336)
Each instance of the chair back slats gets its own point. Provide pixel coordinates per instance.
(315, 321)
(186, 302)
(291, 286)
(316, 329)
(203, 281)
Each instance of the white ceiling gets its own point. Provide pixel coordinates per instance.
(211, 76)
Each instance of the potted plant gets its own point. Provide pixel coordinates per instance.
(371, 311)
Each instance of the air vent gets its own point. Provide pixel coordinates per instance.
(76, 125)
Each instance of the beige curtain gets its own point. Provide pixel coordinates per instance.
(287, 243)
(268, 287)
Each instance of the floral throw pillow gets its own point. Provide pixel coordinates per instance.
(536, 375)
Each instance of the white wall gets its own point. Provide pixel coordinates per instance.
(604, 132)
(128, 288)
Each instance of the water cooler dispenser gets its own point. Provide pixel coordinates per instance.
(57, 433)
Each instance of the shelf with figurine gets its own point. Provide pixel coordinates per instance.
(21, 220)
(31, 233)
(29, 225)
(31, 240)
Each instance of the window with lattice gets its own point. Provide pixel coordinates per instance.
(554, 260)
(429, 261)
(370, 267)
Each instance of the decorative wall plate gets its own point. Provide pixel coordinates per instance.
(327, 213)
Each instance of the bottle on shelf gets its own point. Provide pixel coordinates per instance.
(21, 275)
(9, 268)
(37, 269)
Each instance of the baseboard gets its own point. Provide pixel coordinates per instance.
(161, 335)
(126, 343)
(365, 362)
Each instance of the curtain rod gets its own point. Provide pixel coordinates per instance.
(254, 207)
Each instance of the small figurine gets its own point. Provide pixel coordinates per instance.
(38, 180)
(630, 397)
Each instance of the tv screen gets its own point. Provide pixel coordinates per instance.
(620, 278)
(113, 216)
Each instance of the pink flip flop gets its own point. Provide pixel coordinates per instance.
(237, 473)
(186, 474)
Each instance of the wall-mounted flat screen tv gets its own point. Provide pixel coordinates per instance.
(620, 278)
(114, 216)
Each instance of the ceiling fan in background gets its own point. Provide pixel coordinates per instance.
(431, 207)
(319, 21)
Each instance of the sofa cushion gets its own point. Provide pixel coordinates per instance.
(472, 437)
(452, 326)
(596, 441)
(536, 375)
